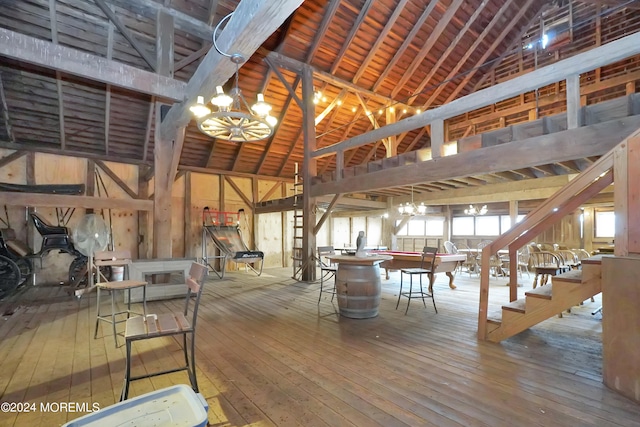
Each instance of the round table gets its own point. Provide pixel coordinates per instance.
(358, 285)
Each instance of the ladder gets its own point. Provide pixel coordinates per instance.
(298, 254)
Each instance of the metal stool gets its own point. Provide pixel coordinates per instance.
(115, 259)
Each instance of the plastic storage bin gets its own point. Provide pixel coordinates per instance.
(177, 405)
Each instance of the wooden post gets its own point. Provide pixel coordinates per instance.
(391, 143)
(143, 216)
(167, 147)
(188, 238)
(627, 198)
(437, 138)
(309, 170)
(573, 102)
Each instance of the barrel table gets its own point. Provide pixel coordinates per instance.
(358, 285)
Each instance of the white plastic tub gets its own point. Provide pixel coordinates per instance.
(178, 405)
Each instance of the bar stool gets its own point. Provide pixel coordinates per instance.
(116, 259)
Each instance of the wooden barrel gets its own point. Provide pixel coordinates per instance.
(358, 289)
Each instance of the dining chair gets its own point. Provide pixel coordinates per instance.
(495, 263)
(471, 263)
(328, 270)
(450, 247)
(427, 264)
(102, 262)
(177, 324)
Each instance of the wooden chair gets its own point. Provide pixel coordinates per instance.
(327, 270)
(471, 263)
(427, 264)
(176, 324)
(523, 261)
(495, 263)
(546, 264)
(450, 247)
(102, 259)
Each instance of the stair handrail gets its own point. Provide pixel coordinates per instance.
(582, 188)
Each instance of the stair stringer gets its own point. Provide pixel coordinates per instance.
(564, 295)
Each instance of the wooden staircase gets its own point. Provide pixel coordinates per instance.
(567, 289)
(564, 291)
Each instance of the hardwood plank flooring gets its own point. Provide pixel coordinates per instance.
(269, 355)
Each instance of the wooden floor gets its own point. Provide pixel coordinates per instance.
(268, 354)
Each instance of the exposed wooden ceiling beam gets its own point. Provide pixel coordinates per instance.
(295, 66)
(487, 53)
(183, 22)
(82, 64)
(126, 34)
(251, 24)
(352, 33)
(427, 46)
(583, 62)
(405, 44)
(380, 40)
(560, 146)
(62, 200)
(450, 49)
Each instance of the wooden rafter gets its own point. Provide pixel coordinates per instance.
(450, 49)
(352, 33)
(373, 52)
(488, 52)
(126, 33)
(427, 46)
(405, 44)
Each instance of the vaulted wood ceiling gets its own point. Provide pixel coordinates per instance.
(368, 56)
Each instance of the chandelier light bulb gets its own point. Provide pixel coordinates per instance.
(221, 100)
(472, 210)
(261, 108)
(199, 109)
(271, 120)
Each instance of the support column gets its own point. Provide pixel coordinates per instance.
(309, 170)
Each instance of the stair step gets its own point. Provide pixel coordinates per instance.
(543, 292)
(573, 276)
(516, 306)
(495, 317)
(597, 259)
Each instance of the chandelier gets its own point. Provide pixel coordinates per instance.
(472, 210)
(410, 209)
(231, 118)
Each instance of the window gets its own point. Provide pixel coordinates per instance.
(435, 226)
(605, 224)
(488, 225)
(416, 227)
(462, 226)
(505, 222)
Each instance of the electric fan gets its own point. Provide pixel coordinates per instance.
(91, 235)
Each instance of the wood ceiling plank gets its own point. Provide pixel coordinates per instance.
(126, 34)
(427, 46)
(183, 22)
(5, 112)
(405, 44)
(583, 62)
(352, 33)
(373, 52)
(93, 67)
